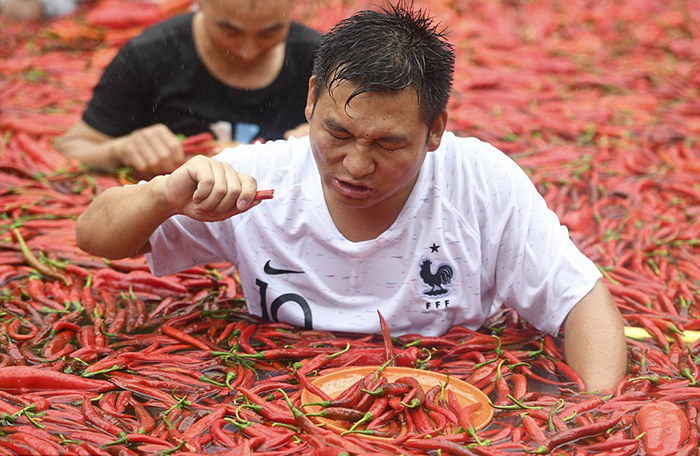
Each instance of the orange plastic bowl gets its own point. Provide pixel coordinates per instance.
(337, 381)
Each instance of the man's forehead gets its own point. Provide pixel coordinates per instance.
(344, 92)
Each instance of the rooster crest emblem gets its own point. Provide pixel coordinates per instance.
(438, 281)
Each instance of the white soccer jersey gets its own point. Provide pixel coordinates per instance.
(473, 233)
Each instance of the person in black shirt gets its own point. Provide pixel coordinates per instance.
(240, 63)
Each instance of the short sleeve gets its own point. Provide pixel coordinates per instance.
(117, 103)
(181, 243)
(537, 270)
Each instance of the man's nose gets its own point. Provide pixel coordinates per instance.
(358, 160)
(247, 50)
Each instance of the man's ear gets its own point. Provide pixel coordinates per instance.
(309, 110)
(436, 131)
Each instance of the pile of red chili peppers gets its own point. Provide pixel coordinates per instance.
(598, 101)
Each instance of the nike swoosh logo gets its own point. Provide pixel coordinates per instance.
(273, 271)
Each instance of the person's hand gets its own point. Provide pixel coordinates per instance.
(150, 150)
(298, 132)
(208, 190)
(22, 10)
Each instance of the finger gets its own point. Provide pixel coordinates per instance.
(169, 149)
(248, 187)
(233, 182)
(133, 158)
(143, 148)
(203, 175)
(218, 190)
(156, 152)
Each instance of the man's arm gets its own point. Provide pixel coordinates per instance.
(594, 341)
(150, 150)
(121, 219)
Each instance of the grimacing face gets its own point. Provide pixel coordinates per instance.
(369, 152)
(246, 29)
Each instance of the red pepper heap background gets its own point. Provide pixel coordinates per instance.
(598, 100)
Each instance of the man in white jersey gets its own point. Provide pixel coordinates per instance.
(378, 208)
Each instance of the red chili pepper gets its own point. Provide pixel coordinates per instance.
(263, 195)
(503, 391)
(268, 410)
(421, 420)
(665, 425)
(386, 334)
(57, 342)
(438, 444)
(390, 389)
(310, 427)
(35, 288)
(431, 403)
(339, 413)
(419, 394)
(23, 379)
(519, 385)
(45, 447)
(571, 374)
(13, 330)
(383, 419)
(91, 415)
(570, 435)
(184, 337)
(366, 400)
(203, 424)
(286, 353)
(35, 263)
(533, 429)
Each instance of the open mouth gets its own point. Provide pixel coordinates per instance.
(351, 190)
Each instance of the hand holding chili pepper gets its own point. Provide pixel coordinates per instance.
(208, 190)
(203, 189)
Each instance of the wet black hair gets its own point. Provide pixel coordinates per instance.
(388, 50)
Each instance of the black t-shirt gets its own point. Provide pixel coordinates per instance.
(158, 77)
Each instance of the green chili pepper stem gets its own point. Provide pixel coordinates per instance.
(121, 440)
(381, 368)
(239, 424)
(415, 403)
(518, 405)
(573, 415)
(498, 349)
(206, 379)
(368, 417)
(285, 425)
(652, 378)
(480, 365)
(513, 366)
(556, 407)
(472, 432)
(295, 411)
(345, 350)
(537, 352)
(685, 372)
(229, 377)
(413, 343)
(177, 448)
(498, 368)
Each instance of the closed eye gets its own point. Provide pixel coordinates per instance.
(389, 147)
(338, 137)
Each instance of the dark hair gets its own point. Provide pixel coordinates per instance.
(388, 50)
